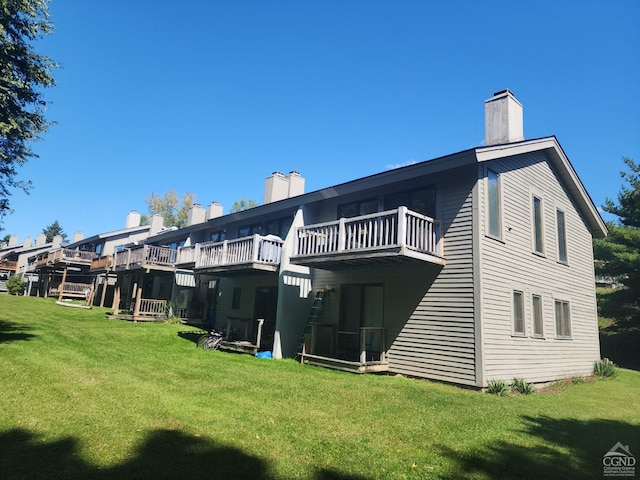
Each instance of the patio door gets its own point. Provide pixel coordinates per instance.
(265, 306)
(361, 318)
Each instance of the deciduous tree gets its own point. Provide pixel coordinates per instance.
(173, 213)
(24, 74)
(242, 204)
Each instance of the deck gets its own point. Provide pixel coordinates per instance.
(393, 236)
(255, 253)
(147, 257)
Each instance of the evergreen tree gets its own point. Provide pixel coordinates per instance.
(618, 255)
(53, 230)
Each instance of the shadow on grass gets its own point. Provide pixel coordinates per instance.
(192, 335)
(10, 332)
(572, 449)
(165, 454)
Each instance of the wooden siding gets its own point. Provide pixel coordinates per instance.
(510, 264)
(428, 310)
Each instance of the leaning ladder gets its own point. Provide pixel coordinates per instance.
(314, 314)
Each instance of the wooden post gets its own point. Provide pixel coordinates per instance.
(402, 226)
(61, 287)
(136, 309)
(104, 288)
(116, 299)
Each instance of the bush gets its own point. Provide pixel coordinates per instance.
(605, 368)
(520, 385)
(15, 285)
(498, 387)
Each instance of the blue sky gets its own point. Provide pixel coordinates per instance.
(210, 97)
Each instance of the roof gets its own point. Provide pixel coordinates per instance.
(548, 145)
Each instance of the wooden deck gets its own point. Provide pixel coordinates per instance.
(394, 236)
(147, 257)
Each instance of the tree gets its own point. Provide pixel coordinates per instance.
(23, 76)
(243, 204)
(618, 255)
(167, 206)
(53, 230)
(15, 285)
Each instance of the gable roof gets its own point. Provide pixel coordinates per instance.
(559, 161)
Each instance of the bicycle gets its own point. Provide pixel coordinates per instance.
(210, 341)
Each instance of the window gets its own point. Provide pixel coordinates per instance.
(562, 236)
(421, 200)
(518, 313)
(247, 230)
(237, 296)
(279, 227)
(538, 231)
(493, 209)
(354, 209)
(563, 319)
(536, 304)
(217, 236)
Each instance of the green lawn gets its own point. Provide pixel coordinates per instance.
(85, 397)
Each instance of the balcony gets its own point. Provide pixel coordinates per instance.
(147, 257)
(101, 264)
(65, 256)
(8, 265)
(394, 236)
(256, 253)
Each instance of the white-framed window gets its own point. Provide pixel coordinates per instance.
(518, 313)
(561, 227)
(563, 319)
(538, 224)
(537, 314)
(494, 205)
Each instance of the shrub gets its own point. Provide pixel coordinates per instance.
(520, 385)
(605, 368)
(15, 285)
(498, 387)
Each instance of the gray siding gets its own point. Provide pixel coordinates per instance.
(510, 264)
(428, 311)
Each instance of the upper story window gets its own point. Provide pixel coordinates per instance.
(562, 236)
(422, 200)
(355, 209)
(217, 236)
(247, 230)
(538, 230)
(494, 205)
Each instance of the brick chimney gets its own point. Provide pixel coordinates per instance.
(503, 121)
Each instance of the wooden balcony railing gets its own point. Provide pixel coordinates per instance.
(8, 265)
(145, 255)
(245, 250)
(394, 228)
(68, 255)
(187, 255)
(71, 289)
(153, 308)
(101, 263)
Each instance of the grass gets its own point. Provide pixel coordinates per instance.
(86, 397)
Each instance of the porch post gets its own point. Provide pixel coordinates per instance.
(61, 287)
(342, 235)
(116, 299)
(136, 308)
(363, 352)
(402, 226)
(256, 247)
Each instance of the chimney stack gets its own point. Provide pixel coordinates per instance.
(196, 214)
(13, 241)
(57, 241)
(133, 219)
(503, 120)
(27, 242)
(156, 224)
(77, 236)
(278, 187)
(41, 239)
(214, 210)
